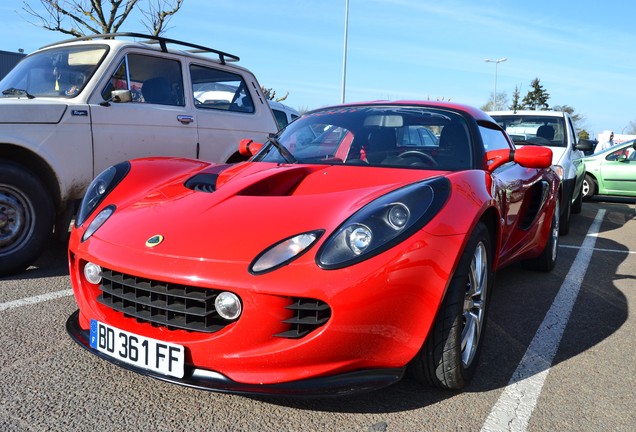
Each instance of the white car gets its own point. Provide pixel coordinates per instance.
(553, 129)
(284, 114)
(74, 108)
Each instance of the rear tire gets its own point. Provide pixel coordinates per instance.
(451, 351)
(26, 217)
(547, 260)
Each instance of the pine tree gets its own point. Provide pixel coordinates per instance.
(516, 106)
(537, 98)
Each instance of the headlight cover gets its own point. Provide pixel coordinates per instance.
(99, 188)
(284, 252)
(98, 221)
(383, 223)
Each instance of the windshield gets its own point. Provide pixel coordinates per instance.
(56, 72)
(395, 136)
(534, 130)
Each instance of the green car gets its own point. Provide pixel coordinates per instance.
(611, 172)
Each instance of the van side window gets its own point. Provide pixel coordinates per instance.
(220, 90)
(151, 79)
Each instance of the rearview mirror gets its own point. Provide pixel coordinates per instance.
(526, 156)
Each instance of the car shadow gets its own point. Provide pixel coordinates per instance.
(52, 262)
(519, 304)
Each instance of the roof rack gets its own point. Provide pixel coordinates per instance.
(162, 41)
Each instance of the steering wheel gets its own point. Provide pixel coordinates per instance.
(427, 159)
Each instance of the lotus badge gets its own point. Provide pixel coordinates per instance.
(154, 240)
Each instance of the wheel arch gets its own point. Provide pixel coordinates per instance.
(38, 166)
(592, 176)
(490, 218)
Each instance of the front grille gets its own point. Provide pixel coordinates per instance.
(309, 314)
(172, 305)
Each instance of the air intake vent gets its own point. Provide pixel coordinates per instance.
(204, 182)
(309, 314)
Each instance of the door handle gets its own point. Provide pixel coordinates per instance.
(185, 119)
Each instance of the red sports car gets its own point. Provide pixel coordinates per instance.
(358, 243)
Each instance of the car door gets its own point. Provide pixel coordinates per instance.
(618, 171)
(158, 121)
(524, 193)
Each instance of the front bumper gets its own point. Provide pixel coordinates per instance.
(330, 386)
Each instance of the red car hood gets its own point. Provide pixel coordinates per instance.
(231, 214)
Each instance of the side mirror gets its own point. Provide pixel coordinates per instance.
(526, 156)
(118, 96)
(249, 148)
(586, 145)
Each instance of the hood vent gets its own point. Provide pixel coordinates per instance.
(204, 182)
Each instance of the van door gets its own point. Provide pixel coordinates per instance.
(157, 122)
(229, 107)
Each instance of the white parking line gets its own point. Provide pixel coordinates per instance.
(513, 409)
(36, 299)
(599, 249)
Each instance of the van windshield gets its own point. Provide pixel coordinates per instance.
(56, 72)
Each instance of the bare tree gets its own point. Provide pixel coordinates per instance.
(83, 17)
(270, 94)
(159, 13)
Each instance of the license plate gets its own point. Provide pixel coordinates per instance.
(158, 356)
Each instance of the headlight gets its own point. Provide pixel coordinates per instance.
(383, 223)
(99, 188)
(559, 170)
(99, 220)
(93, 273)
(228, 305)
(284, 252)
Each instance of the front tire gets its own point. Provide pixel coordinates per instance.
(577, 207)
(589, 187)
(564, 224)
(451, 351)
(26, 217)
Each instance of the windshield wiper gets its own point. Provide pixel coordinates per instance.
(286, 154)
(524, 142)
(17, 92)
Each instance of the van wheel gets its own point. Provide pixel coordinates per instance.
(26, 217)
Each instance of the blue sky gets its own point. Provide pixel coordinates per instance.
(582, 53)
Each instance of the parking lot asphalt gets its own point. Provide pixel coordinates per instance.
(558, 355)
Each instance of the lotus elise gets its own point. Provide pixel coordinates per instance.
(350, 249)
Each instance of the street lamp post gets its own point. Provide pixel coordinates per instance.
(344, 60)
(496, 62)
